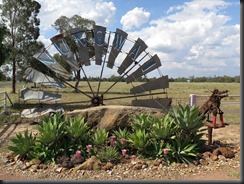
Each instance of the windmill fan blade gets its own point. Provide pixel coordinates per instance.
(80, 38)
(30, 94)
(99, 38)
(40, 78)
(160, 83)
(135, 51)
(63, 48)
(118, 42)
(147, 67)
(154, 103)
(45, 58)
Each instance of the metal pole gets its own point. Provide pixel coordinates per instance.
(210, 133)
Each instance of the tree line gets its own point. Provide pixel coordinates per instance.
(224, 79)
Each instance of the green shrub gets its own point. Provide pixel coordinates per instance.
(183, 150)
(77, 128)
(177, 137)
(100, 137)
(77, 132)
(142, 121)
(122, 137)
(51, 130)
(108, 154)
(163, 128)
(187, 120)
(23, 144)
(139, 140)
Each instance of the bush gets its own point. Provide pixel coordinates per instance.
(108, 154)
(177, 137)
(23, 144)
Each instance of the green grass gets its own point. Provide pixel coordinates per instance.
(178, 91)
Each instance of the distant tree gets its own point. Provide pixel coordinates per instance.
(64, 25)
(22, 24)
(237, 79)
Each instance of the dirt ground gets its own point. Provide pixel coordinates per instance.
(227, 135)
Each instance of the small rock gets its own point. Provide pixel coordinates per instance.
(16, 158)
(214, 157)
(10, 155)
(154, 168)
(206, 154)
(33, 168)
(42, 166)
(29, 164)
(5, 160)
(77, 159)
(196, 162)
(92, 163)
(67, 164)
(137, 166)
(157, 162)
(221, 157)
(204, 162)
(64, 169)
(23, 167)
(58, 170)
(37, 162)
(107, 166)
(144, 166)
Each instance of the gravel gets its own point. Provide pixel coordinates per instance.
(133, 170)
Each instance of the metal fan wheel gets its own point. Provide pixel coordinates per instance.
(115, 54)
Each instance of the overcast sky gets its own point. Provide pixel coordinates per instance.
(198, 37)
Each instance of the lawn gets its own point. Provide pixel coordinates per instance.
(178, 91)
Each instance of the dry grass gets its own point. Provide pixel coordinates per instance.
(178, 91)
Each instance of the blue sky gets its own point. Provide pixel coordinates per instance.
(193, 37)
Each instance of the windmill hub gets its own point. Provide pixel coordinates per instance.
(97, 100)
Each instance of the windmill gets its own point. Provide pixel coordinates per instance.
(114, 52)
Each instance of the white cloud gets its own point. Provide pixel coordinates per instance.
(102, 13)
(195, 38)
(134, 18)
(99, 11)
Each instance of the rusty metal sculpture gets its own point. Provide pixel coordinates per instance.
(212, 105)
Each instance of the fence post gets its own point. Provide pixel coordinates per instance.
(193, 100)
(5, 101)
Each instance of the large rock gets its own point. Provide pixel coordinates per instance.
(92, 163)
(111, 117)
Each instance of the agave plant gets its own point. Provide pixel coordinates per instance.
(77, 128)
(100, 137)
(183, 150)
(108, 154)
(122, 137)
(187, 119)
(163, 128)
(51, 129)
(23, 144)
(139, 140)
(142, 121)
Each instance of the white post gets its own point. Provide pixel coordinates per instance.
(193, 100)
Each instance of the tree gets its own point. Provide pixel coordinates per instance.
(3, 49)
(22, 24)
(64, 25)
